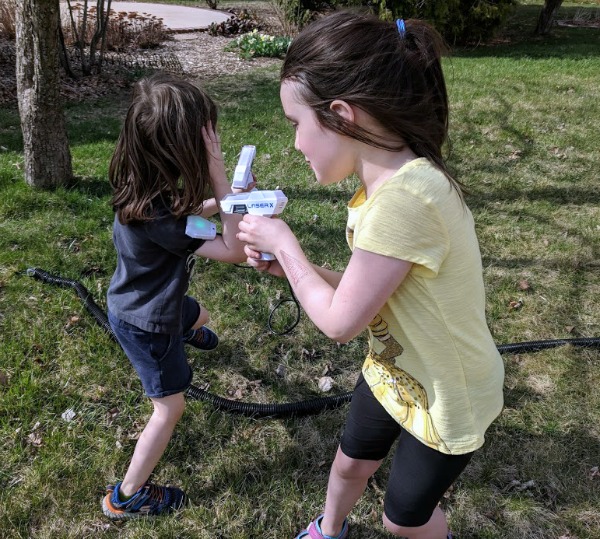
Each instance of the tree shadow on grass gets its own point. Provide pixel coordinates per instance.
(91, 186)
(516, 39)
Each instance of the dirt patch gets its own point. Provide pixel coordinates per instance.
(197, 56)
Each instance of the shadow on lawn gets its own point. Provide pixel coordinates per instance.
(517, 39)
(556, 474)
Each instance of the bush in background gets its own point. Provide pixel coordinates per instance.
(87, 35)
(124, 30)
(459, 21)
(254, 44)
(238, 23)
(295, 14)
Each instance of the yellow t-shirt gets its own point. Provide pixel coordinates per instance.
(432, 362)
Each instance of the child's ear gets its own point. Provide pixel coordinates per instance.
(344, 109)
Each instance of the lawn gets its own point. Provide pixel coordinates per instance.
(525, 141)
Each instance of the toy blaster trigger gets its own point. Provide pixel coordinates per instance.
(264, 203)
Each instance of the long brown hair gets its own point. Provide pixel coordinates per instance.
(393, 74)
(160, 153)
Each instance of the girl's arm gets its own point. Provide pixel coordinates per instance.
(225, 247)
(340, 312)
(211, 206)
(274, 268)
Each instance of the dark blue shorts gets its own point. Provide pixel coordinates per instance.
(419, 475)
(159, 359)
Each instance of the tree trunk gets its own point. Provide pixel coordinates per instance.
(547, 16)
(45, 143)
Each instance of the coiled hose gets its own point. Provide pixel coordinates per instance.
(289, 409)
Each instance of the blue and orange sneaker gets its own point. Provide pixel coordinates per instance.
(202, 338)
(149, 500)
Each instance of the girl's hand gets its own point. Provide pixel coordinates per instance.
(251, 185)
(270, 266)
(216, 163)
(264, 234)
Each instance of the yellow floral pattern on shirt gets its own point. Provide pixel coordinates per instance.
(399, 392)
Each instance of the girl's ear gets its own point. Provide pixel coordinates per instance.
(344, 109)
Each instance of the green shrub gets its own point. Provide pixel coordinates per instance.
(255, 44)
(297, 13)
(459, 21)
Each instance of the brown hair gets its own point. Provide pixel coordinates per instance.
(395, 77)
(160, 153)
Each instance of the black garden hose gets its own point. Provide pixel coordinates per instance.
(288, 409)
(250, 409)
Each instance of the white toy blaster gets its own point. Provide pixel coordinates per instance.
(243, 171)
(264, 203)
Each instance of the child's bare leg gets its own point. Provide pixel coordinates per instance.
(436, 528)
(153, 441)
(199, 335)
(203, 318)
(347, 482)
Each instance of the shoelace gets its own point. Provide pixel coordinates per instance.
(155, 496)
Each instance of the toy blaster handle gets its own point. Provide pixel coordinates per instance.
(264, 203)
(243, 171)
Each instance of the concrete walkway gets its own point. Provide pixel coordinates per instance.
(176, 18)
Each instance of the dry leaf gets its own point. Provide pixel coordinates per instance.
(68, 415)
(308, 353)
(281, 371)
(524, 284)
(325, 383)
(35, 439)
(515, 305)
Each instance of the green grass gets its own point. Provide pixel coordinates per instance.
(525, 141)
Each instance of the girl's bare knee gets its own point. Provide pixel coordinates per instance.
(350, 468)
(435, 528)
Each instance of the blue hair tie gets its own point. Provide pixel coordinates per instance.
(401, 27)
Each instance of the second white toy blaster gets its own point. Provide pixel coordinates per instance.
(264, 203)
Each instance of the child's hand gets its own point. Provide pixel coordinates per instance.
(251, 185)
(216, 163)
(264, 234)
(270, 266)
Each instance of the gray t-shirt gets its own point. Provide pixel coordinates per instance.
(154, 266)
